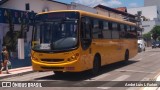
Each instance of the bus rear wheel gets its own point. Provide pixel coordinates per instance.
(126, 57)
(96, 65)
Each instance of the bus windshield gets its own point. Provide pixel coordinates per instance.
(55, 34)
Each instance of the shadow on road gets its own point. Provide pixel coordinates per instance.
(86, 75)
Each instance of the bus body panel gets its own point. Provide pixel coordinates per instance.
(76, 65)
(110, 50)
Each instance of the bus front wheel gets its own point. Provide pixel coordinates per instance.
(58, 73)
(96, 65)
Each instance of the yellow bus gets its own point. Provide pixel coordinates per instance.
(75, 41)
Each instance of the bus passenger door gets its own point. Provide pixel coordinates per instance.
(86, 40)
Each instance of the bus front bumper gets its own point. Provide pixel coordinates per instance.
(72, 66)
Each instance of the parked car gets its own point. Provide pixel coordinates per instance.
(156, 44)
(141, 45)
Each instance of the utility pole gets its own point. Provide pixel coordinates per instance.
(139, 22)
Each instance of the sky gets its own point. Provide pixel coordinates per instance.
(110, 3)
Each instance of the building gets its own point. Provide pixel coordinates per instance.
(33, 5)
(77, 6)
(15, 16)
(115, 13)
(123, 9)
(119, 13)
(150, 16)
(16, 21)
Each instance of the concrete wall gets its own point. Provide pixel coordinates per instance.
(149, 12)
(102, 11)
(97, 10)
(34, 5)
(148, 26)
(108, 13)
(76, 6)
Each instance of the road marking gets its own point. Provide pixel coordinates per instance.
(92, 79)
(121, 78)
(145, 79)
(153, 54)
(98, 77)
(151, 88)
(135, 71)
(133, 88)
(140, 59)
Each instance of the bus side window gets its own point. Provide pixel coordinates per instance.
(128, 31)
(97, 29)
(133, 32)
(122, 31)
(106, 32)
(115, 31)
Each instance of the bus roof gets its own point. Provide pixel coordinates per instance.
(93, 15)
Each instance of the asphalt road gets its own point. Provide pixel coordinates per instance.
(142, 67)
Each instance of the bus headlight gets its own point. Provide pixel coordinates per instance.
(33, 58)
(74, 57)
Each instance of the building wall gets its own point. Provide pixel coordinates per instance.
(102, 11)
(151, 2)
(149, 12)
(108, 13)
(76, 6)
(148, 26)
(97, 10)
(34, 5)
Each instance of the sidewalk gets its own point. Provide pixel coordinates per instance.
(16, 71)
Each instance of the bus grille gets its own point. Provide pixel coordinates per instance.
(52, 60)
(52, 67)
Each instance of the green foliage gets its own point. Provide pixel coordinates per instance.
(147, 36)
(155, 32)
(10, 40)
(159, 38)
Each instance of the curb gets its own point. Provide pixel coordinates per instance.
(18, 74)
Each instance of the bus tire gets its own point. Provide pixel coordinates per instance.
(126, 56)
(96, 65)
(58, 73)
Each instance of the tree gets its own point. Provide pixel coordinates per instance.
(9, 40)
(147, 36)
(155, 32)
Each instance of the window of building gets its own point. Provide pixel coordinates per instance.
(27, 6)
(139, 13)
